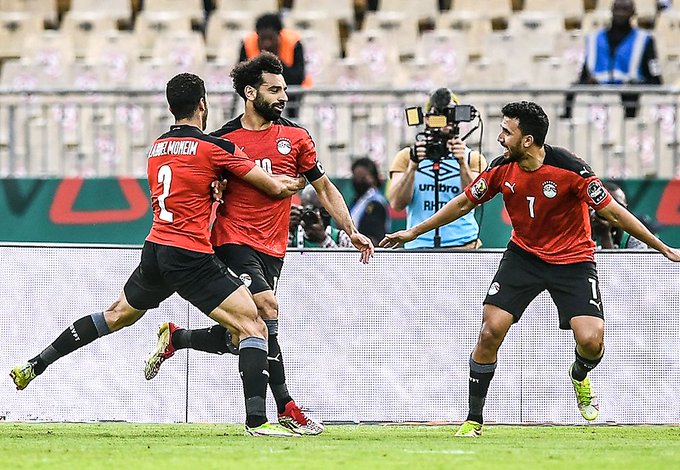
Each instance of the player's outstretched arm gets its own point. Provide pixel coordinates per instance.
(619, 216)
(279, 186)
(453, 210)
(334, 203)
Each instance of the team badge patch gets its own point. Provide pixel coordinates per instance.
(495, 287)
(283, 146)
(246, 279)
(596, 192)
(479, 189)
(549, 189)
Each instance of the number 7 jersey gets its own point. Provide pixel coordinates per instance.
(180, 167)
(548, 207)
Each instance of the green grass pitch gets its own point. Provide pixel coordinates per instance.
(207, 446)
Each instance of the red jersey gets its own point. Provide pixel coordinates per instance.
(249, 216)
(181, 165)
(548, 207)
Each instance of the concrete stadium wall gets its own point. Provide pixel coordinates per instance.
(385, 342)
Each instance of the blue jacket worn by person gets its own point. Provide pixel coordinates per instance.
(621, 57)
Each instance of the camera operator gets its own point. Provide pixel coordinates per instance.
(412, 181)
(310, 225)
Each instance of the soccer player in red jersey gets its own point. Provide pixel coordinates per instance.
(177, 255)
(546, 191)
(250, 233)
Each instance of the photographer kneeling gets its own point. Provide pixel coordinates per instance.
(310, 225)
(440, 149)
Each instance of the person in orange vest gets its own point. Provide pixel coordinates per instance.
(270, 35)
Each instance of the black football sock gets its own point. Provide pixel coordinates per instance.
(582, 366)
(82, 332)
(211, 340)
(252, 364)
(480, 379)
(277, 376)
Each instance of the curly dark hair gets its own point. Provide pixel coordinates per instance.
(250, 72)
(183, 93)
(532, 119)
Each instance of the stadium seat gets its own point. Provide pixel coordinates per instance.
(423, 75)
(234, 24)
(373, 48)
(152, 27)
(229, 47)
(53, 51)
(595, 20)
(475, 27)
(120, 10)
(667, 35)
(485, 72)
(320, 52)
(447, 49)
(340, 9)
(315, 21)
(191, 8)
(117, 52)
(14, 29)
(83, 27)
(46, 10)
(571, 10)
(185, 49)
(255, 7)
(535, 32)
(423, 9)
(399, 29)
(153, 75)
(493, 9)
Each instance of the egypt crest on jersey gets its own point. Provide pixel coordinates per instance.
(248, 216)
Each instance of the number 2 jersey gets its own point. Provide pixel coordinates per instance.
(548, 207)
(180, 167)
(248, 216)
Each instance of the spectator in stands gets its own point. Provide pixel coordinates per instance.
(620, 55)
(271, 36)
(370, 211)
(310, 225)
(412, 186)
(607, 235)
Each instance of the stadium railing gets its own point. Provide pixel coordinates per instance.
(106, 133)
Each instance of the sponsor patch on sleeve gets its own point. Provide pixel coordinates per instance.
(596, 192)
(479, 188)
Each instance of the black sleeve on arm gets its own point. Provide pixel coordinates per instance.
(649, 55)
(314, 173)
(295, 75)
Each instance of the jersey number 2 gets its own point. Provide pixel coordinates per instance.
(165, 177)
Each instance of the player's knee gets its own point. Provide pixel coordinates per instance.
(591, 344)
(120, 315)
(253, 327)
(490, 337)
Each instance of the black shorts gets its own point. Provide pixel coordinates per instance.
(200, 278)
(521, 276)
(258, 271)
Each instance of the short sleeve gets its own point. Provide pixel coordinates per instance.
(236, 163)
(484, 187)
(592, 192)
(307, 158)
(400, 162)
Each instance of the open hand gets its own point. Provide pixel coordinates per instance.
(364, 245)
(393, 240)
